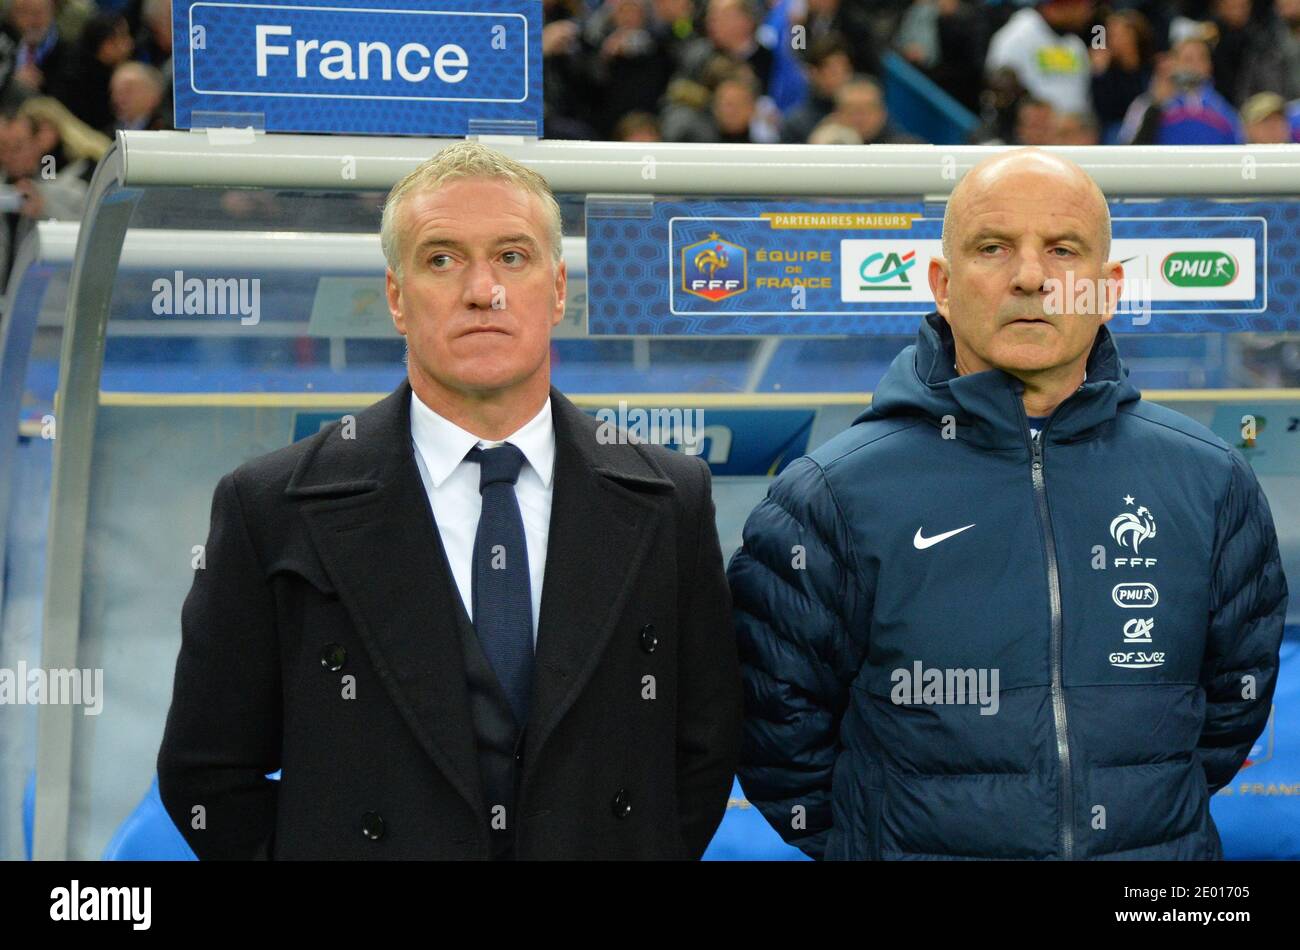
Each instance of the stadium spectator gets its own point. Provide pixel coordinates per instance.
(730, 32)
(1293, 119)
(43, 57)
(137, 93)
(1236, 41)
(674, 25)
(1274, 62)
(829, 68)
(71, 17)
(830, 132)
(630, 68)
(1121, 68)
(637, 127)
(567, 108)
(1182, 106)
(105, 44)
(1042, 46)
(835, 18)
(734, 108)
(47, 156)
(945, 39)
(1263, 118)
(1036, 122)
(860, 104)
(1076, 128)
(153, 40)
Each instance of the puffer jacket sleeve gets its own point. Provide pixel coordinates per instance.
(1248, 609)
(797, 601)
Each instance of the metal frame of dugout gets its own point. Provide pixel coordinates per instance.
(43, 265)
(139, 161)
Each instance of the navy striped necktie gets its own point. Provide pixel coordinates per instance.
(503, 606)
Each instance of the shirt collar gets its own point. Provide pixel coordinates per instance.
(443, 444)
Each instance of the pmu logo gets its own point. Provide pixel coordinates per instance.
(1130, 529)
(1134, 594)
(1199, 268)
(714, 269)
(882, 271)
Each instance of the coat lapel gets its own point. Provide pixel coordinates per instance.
(604, 515)
(369, 519)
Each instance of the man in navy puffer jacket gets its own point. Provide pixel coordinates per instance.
(1014, 611)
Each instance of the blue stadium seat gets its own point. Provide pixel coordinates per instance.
(148, 834)
(745, 835)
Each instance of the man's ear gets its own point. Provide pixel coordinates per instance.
(393, 293)
(938, 274)
(561, 292)
(1114, 272)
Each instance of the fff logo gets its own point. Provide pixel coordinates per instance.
(714, 269)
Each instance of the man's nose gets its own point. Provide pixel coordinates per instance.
(1030, 274)
(480, 285)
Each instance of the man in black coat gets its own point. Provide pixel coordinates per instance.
(444, 667)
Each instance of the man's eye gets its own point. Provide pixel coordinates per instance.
(1065, 249)
(439, 261)
(515, 257)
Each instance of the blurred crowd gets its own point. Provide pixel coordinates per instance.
(72, 72)
(1058, 72)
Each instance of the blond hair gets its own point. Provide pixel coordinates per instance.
(79, 140)
(467, 159)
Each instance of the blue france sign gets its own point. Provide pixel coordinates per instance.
(386, 67)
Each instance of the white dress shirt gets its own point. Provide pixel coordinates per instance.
(452, 486)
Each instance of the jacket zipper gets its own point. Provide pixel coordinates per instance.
(1066, 796)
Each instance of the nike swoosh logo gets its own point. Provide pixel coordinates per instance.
(921, 543)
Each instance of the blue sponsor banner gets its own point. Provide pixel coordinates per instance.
(753, 267)
(752, 442)
(385, 67)
(1258, 812)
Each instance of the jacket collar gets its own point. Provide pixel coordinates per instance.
(336, 466)
(987, 406)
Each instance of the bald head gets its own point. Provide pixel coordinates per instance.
(1006, 173)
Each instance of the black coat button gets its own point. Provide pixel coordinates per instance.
(649, 640)
(622, 804)
(332, 656)
(372, 825)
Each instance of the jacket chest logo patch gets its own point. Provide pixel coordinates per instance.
(1130, 529)
(920, 542)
